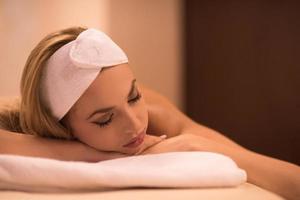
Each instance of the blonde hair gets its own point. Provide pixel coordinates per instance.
(10, 114)
(34, 117)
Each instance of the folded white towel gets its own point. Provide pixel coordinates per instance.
(175, 169)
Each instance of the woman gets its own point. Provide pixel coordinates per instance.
(77, 85)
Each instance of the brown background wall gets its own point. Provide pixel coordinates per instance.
(243, 72)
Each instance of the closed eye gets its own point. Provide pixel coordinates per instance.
(105, 123)
(133, 97)
(136, 98)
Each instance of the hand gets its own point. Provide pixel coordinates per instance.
(149, 141)
(93, 155)
(187, 142)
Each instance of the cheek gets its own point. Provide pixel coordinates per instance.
(83, 132)
(143, 111)
(96, 137)
(111, 137)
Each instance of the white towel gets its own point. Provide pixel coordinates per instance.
(175, 170)
(74, 66)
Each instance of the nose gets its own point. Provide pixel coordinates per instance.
(132, 124)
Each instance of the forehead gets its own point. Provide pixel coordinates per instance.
(111, 85)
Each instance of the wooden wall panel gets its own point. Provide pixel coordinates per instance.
(243, 72)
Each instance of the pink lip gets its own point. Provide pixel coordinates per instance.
(136, 141)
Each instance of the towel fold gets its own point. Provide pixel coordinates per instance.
(175, 170)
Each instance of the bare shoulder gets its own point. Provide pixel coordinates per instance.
(164, 117)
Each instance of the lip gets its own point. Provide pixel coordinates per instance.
(136, 141)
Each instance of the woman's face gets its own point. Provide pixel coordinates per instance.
(111, 115)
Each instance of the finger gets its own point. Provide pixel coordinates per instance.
(151, 141)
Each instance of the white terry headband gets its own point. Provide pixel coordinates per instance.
(74, 66)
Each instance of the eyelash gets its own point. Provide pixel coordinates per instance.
(135, 99)
(102, 124)
(106, 123)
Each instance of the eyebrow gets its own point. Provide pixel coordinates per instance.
(104, 110)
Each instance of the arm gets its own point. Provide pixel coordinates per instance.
(278, 176)
(275, 175)
(29, 145)
(272, 174)
(17, 143)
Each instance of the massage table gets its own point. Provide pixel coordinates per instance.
(245, 191)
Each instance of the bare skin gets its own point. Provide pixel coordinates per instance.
(183, 134)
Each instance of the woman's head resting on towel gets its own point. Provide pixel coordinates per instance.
(111, 111)
(71, 90)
